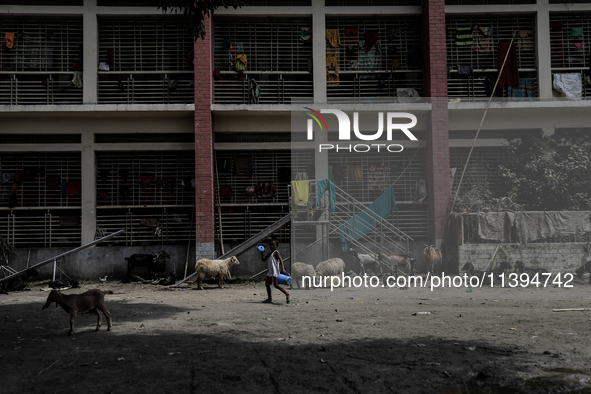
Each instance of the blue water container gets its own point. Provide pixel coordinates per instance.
(261, 247)
(284, 279)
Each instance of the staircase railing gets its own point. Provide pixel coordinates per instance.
(382, 235)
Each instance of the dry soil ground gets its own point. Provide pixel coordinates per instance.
(344, 341)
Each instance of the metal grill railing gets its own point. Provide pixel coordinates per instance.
(41, 228)
(142, 88)
(274, 89)
(475, 87)
(147, 60)
(276, 167)
(39, 89)
(277, 59)
(240, 226)
(46, 179)
(569, 51)
(394, 60)
(386, 168)
(149, 226)
(146, 178)
(39, 68)
(481, 51)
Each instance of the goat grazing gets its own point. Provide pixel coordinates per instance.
(299, 270)
(206, 268)
(365, 259)
(584, 268)
(396, 260)
(91, 300)
(434, 259)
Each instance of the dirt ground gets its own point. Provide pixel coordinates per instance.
(490, 340)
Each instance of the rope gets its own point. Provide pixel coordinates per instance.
(482, 121)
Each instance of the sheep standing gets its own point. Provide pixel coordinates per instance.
(206, 268)
(330, 267)
(298, 270)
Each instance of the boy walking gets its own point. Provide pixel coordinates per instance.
(274, 258)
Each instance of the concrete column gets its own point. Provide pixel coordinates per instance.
(319, 50)
(543, 49)
(204, 165)
(90, 37)
(435, 86)
(319, 55)
(88, 183)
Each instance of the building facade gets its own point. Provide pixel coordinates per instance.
(112, 118)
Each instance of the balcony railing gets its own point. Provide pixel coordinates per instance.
(277, 91)
(23, 88)
(476, 87)
(379, 87)
(146, 88)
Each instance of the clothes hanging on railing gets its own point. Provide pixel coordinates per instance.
(464, 36)
(322, 185)
(524, 90)
(300, 192)
(556, 40)
(333, 42)
(243, 165)
(420, 191)
(77, 79)
(265, 189)
(370, 39)
(414, 58)
(355, 173)
(510, 74)
(377, 177)
(226, 192)
(9, 40)
(482, 39)
(569, 84)
(370, 60)
(364, 221)
(525, 41)
(254, 91)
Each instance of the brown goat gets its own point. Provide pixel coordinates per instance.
(91, 300)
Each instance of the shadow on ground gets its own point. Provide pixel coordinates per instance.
(39, 358)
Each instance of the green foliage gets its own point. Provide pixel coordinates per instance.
(159, 266)
(6, 250)
(195, 11)
(480, 198)
(547, 173)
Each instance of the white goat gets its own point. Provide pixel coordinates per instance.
(365, 259)
(298, 270)
(206, 268)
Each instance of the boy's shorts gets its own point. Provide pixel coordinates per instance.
(271, 280)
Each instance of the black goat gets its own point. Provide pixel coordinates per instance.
(138, 260)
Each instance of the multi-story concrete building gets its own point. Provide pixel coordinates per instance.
(113, 119)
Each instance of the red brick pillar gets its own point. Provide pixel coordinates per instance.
(435, 85)
(204, 193)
